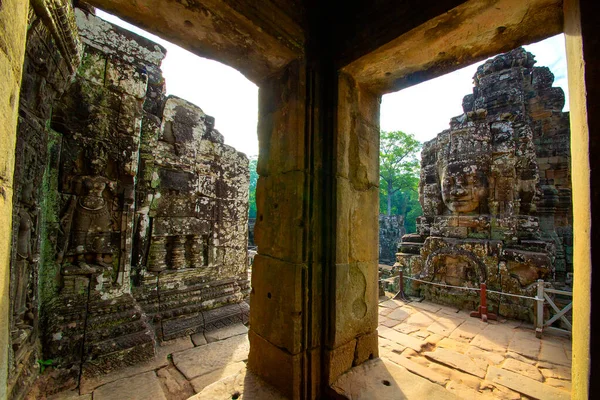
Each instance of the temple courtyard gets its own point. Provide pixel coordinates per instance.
(427, 351)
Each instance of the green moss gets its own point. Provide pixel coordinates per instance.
(49, 222)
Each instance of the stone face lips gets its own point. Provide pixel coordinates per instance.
(492, 211)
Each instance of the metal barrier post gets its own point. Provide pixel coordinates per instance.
(539, 315)
(482, 311)
(400, 295)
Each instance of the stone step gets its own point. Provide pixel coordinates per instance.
(211, 357)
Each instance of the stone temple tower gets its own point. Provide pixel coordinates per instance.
(495, 190)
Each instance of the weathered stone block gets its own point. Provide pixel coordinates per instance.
(279, 228)
(277, 302)
(263, 355)
(356, 300)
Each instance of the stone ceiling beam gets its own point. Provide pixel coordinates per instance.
(464, 35)
(257, 40)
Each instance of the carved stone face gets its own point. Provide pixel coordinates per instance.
(464, 187)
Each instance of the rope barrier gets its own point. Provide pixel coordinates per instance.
(391, 280)
(513, 295)
(443, 284)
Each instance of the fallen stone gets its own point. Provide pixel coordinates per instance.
(199, 339)
(225, 333)
(526, 386)
(203, 381)
(455, 360)
(401, 338)
(417, 368)
(204, 359)
(139, 387)
(384, 380)
(522, 368)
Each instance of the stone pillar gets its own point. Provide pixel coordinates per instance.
(352, 338)
(13, 28)
(583, 61)
(281, 333)
(314, 279)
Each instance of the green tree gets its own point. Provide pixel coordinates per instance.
(252, 189)
(399, 176)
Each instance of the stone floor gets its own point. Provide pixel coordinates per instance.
(427, 351)
(471, 359)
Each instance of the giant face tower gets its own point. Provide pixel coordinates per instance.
(492, 205)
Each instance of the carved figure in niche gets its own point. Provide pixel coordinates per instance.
(88, 222)
(23, 308)
(463, 186)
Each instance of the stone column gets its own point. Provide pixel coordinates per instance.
(282, 289)
(13, 29)
(583, 61)
(352, 337)
(314, 279)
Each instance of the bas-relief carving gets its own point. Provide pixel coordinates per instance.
(27, 255)
(144, 219)
(88, 223)
(480, 191)
(153, 207)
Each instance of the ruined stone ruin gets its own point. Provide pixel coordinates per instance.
(391, 230)
(130, 214)
(496, 191)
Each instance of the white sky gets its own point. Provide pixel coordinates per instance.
(224, 93)
(425, 109)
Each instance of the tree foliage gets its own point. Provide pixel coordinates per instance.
(252, 189)
(399, 176)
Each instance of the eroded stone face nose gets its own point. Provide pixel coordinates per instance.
(458, 190)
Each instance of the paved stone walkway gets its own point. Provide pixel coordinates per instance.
(472, 359)
(427, 351)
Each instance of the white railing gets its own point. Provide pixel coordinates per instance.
(542, 297)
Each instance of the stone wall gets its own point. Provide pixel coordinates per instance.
(493, 211)
(391, 230)
(130, 213)
(52, 55)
